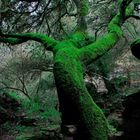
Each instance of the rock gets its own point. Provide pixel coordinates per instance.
(131, 116)
(69, 130)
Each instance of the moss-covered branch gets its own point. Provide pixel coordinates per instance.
(12, 41)
(123, 5)
(103, 44)
(20, 38)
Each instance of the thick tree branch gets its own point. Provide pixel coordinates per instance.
(20, 38)
(12, 41)
(102, 45)
(123, 8)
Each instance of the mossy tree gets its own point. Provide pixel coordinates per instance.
(76, 104)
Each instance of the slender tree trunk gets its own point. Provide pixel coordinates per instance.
(76, 105)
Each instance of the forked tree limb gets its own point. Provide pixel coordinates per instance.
(95, 50)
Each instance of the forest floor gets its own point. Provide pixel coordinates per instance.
(31, 121)
(27, 123)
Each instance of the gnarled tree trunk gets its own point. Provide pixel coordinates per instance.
(76, 104)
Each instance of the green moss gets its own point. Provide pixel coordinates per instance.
(63, 46)
(97, 49)
(14, 95)
(102, 45)
(19, 38)
(78, 37)
(74, 96)
(97, 123)
(84, 8)
(115, 25)
(12, 41)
